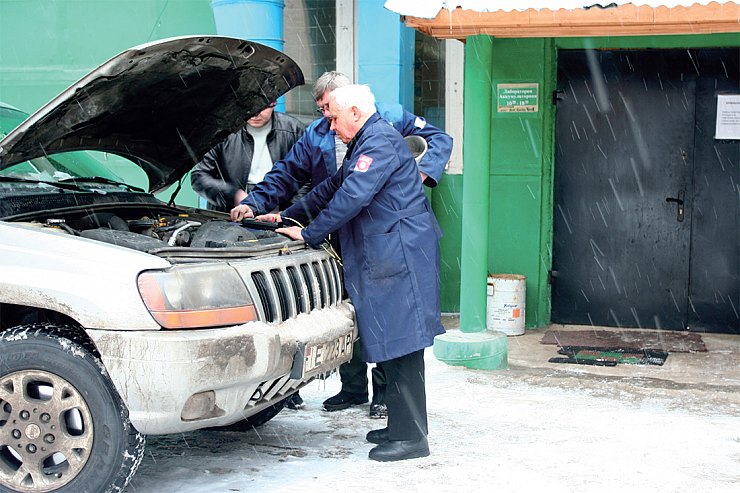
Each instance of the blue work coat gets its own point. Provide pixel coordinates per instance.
(313, 159)
(389, 241)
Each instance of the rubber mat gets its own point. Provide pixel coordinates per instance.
(610, 356)
(664, 340)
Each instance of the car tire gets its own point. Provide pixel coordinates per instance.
(256, 420)
(63, 426)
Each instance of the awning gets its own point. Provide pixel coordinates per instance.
(562, 18)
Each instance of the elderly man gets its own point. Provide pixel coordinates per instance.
(316, 157)
(389, 242)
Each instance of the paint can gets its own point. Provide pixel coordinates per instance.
(506, 301)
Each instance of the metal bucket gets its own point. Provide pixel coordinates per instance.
(506, 302)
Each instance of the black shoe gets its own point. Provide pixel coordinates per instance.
(377, 436)
(295, 401)
(394, 450)
(343, 400)
(378, 410)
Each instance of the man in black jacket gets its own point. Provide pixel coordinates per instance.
(230, 170)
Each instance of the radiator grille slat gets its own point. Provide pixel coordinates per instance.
(290, 290)
(326, 264)
(308, 278)
(297, 289)
(323, 289)
(283, 298)
(263, 293)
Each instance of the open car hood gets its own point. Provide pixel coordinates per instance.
(162, 104)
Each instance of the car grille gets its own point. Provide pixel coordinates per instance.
(288, 290)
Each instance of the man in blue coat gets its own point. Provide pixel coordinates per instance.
(314, 158)
(389, 241)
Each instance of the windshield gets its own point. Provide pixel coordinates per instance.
(62, 166)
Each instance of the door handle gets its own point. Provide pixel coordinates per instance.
(679, 204)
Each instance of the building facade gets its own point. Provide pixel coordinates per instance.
(598, 158)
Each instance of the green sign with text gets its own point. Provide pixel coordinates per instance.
(518, 98)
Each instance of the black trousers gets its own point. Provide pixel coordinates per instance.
(353, 374)
(405, 396)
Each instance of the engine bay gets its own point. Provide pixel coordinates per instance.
(148, 232)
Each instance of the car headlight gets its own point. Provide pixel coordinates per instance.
(196, 296)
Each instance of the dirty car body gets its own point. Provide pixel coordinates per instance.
(122, 315)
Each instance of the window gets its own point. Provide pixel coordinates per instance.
(310, 40)
(429, 79)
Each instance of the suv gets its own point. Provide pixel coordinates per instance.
(122, 315)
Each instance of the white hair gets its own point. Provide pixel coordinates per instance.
(358, 95)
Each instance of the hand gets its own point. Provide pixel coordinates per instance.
(423, 176)
(270, 218)
(241, 211)
(293, 232)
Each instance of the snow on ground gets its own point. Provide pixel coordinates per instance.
(489, 431)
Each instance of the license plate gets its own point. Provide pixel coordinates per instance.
(327, 353)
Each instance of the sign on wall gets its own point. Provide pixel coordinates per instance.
(728, 117)
(518, 98)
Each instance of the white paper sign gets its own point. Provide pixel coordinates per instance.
(728, 117)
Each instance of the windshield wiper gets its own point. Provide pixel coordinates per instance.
(100, 179)
(56, 184)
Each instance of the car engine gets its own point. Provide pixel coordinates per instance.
(149, 233)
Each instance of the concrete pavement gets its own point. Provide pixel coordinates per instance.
(535, 426)
(694, 381)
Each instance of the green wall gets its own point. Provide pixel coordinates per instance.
(659, 42)
(446, 201)
(519, 184)
(520, 150)
(49, 44)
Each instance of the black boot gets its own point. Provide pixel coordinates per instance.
(377, 436)
(343, 400)
(295, 401)
(394, 450)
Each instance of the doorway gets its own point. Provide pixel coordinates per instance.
(646, 228)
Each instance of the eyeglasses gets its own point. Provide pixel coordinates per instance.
(322, 109)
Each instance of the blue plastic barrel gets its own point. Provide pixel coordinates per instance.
(260, 21)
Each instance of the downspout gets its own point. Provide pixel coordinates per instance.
(476, 183)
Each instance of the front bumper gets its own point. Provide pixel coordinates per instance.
(240, 370)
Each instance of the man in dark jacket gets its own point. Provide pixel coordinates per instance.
(231, 169)
(314, 158)
(389, 240)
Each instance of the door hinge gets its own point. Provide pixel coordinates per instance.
(557, 95)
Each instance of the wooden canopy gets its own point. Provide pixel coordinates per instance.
(622, 20)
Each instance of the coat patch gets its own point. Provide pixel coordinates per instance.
(363, 163)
